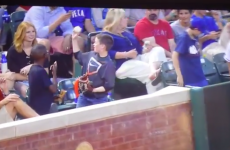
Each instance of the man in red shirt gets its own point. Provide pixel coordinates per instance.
(158, 32)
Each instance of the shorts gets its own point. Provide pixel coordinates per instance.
(198, 84)
(5, 116)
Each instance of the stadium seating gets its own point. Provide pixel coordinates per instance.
(221, 67)
(210, 71)
(168, 74)
(16, 19)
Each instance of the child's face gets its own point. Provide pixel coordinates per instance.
(97, 46)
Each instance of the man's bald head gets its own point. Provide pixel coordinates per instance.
(38, 52)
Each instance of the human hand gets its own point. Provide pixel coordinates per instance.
(10, 98)
(132, 53)
(25, 70)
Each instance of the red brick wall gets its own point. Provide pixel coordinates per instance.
(167, 128)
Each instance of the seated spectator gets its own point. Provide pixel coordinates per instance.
(100, 70)
(155, 30)
(41, 88)
(182, 24)
(26, 8)
(186, 57)
(134, 15)
(11, 105)
(98, 17)
(168, 14)
(208, 41)
(216, 14)
(46, 20)
(12, 8)
(81, 17)
(225, 36)
(18, 56)
(131, 61)
(225, 42)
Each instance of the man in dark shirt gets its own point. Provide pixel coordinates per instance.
(41, 88)
(99, 67)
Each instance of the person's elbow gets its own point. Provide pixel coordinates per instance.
(112, 54)
(43, 32)
(109, 86)
(53, 88)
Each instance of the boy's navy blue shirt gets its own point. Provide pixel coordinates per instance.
(190, 60)
(40, 96)
(104, 72)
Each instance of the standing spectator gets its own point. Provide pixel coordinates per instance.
(208, 41)
(98, 17)
(100, 70)
(81, 17)
(134, 15)
(186, 57)
(182, 24)
(41, 88)
(155, 30)
(46, 20)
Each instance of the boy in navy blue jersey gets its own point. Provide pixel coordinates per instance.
(41, 88)
(100, 68)
(186, 57)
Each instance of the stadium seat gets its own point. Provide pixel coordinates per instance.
(129, 87)
(131, 29)
(77, 70)
(209, 71)
(16, 19)
(168, 74)
(221, 67)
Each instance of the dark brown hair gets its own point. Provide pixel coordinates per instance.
(106, 40)
(189, 10)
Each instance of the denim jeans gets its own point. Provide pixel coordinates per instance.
(85, 101)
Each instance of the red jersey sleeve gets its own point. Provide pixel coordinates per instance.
(170, 34)
(142, 31)
(26, 7)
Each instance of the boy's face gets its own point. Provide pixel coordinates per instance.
(97, 46)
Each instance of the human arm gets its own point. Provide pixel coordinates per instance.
(88, 23)
(130, 21)
(9, 98)
(46, 80)
(180, 49)
(37, 19)
(97, 16)
(227, 56)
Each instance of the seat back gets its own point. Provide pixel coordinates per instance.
(77, 70)
(89, 42)
(16, 19)
(66, 84)
(130, 29)
(168, 74)
(129, 87)
(70, 96)
(209, 71)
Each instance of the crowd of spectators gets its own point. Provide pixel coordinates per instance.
(38, 53)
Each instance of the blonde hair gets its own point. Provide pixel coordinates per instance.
(20, 34)
(113, 18)
(225, 36)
